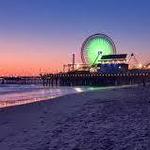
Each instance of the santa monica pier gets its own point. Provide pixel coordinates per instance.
(102, 65)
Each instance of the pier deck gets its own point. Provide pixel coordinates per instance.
(95, 79)
(81, 79)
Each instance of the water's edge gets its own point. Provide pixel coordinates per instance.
(19, 95)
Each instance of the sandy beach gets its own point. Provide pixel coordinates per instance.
(108, 119)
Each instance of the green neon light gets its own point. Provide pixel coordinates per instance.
(96, 45)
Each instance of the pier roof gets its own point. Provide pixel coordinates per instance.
(116, 56)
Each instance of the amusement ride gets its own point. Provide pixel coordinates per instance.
(98, 53)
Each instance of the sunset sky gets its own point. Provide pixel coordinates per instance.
(41, 35)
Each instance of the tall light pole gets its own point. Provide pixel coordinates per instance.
(73, 62)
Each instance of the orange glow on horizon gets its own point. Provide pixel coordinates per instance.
(26, 57)
(30, 58)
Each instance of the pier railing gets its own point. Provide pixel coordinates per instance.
(82, 79)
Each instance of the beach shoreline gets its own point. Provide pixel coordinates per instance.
(105, 119)
(17, 98)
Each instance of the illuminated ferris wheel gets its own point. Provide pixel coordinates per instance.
(95, 46)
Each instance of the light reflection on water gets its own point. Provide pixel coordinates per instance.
(11, 95)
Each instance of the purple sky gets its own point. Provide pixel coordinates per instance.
(42, 34)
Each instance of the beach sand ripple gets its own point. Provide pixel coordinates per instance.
(114, 119)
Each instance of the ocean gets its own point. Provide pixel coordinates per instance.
(11, 95)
